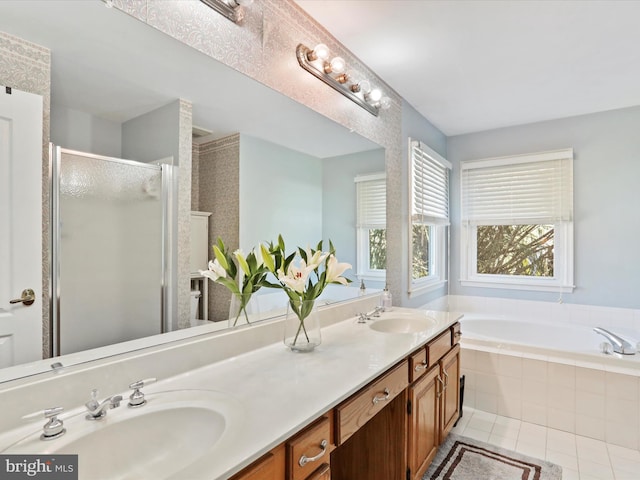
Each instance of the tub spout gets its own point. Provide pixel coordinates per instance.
(620, 345)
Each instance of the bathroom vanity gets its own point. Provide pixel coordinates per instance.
(372, 402)
(389, 429)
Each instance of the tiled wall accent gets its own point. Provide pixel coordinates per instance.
(219, 184)
(27, 67)
(589, 402)
(195, 176)
(184, 214)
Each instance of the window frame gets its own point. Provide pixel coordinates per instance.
(439, 235)
(363, 267)
(561, 281)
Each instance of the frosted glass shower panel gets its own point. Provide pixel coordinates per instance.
(111, 244)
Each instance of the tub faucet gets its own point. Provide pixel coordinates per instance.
(98, 410)
(620, 345)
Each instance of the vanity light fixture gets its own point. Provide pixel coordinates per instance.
(335, 74)
(232, 9)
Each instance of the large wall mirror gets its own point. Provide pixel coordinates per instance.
(108, 68)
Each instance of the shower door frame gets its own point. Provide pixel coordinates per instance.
(167, 283)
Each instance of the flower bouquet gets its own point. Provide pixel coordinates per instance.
(242, 274)
(303, 275)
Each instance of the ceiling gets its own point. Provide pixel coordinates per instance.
(473, 65)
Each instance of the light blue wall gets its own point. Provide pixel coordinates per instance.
(154, 135)
(417, 127)
(280, 193)
(84, 132)
(606, 200)
(339, 203)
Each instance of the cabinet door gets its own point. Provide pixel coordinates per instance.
(323, 473)
(450, 368)
(269, 467)
(424, 422)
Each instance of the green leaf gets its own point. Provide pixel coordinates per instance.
(267, 258)
(222, 260)
(230, 284)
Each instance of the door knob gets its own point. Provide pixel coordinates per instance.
(27, 298)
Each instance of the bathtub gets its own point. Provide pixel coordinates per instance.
(565, 342)
(552, 374)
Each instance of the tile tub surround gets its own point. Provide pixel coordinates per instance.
(280, 391)
(594, 403)
(596, 397)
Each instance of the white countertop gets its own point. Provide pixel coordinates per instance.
(280, 392)
(265, 395)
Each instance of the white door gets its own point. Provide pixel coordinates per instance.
(20, 226)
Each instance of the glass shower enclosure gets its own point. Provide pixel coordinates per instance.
(110, 250)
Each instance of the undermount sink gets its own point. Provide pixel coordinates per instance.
(400, 323)
(171, 436)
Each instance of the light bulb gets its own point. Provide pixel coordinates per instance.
(385, 103)
(337, 65)
(364, 86)
(319, 52)
(374, 95)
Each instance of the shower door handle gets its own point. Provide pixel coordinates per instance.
(27, 298)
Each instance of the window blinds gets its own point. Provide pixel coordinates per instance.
(527, 189)
(371, 191)
(429, 181)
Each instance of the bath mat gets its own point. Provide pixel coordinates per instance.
(462, 458)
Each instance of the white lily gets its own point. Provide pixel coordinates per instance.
(296, 277)
(315, 259)
(335, 270)
(215, 271)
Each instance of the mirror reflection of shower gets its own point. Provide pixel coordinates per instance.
(111, 250)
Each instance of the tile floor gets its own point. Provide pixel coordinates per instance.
(581, 458)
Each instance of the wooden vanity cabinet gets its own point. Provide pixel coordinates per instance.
(432, 409)
(308, 452)
(268, 467)
(450, 372)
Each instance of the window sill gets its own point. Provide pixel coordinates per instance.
(374, 277)
(518, 286)
(425, 287)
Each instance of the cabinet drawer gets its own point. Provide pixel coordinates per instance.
(360, 408)
(308, 450)
(456, 333)
(437, 347)
(417, 365)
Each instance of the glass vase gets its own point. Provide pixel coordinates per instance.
(243, 310)
(302, 326)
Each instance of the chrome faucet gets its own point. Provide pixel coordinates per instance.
(620, 345)
(98, 410)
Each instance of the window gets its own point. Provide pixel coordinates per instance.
(429, 217)
(371, 193)
(517, 221)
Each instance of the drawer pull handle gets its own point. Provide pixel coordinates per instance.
(439, 390)
(446, 379)
(304, 459)
(377, 399)
(421, 366)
